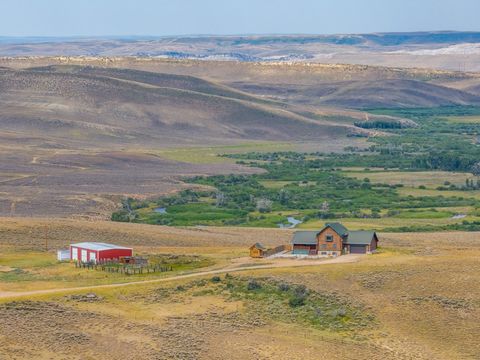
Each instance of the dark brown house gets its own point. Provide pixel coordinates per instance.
(333, 240)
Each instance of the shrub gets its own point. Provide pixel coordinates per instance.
(296, 301)
(121, 216)
(301, 291)
(283, 287)
(253, 285)
(339, 312)
(215, 279)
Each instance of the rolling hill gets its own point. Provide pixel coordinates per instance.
(388, 93)
(129, 106)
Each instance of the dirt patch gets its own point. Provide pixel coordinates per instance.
(4, 268)
(90, 297)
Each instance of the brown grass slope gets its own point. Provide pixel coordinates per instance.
(395, 93)
(258, 72)
(352, 86)
(127, 109)
(387, 93)
(183, 82)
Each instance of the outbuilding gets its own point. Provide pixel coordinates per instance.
(257, 250)
(63, 255)
(95, 252)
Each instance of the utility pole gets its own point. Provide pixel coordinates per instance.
(46, 237)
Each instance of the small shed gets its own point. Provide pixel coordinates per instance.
(63, 255)
(95, 252)
(258, 250)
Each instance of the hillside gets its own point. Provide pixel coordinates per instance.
(392, 299)
(319, 85)
(119, 107)
(390, 93)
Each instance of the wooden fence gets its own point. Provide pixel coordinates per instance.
(124, 269)
(276, 250)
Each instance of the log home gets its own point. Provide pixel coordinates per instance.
(257, 250)
(334, 240)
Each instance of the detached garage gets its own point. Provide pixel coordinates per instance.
(361, 242)
(95, 252)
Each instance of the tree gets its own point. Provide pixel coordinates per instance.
(476, 169)
(283, 197)
(325, 208)
(219, 199)
(264, 205)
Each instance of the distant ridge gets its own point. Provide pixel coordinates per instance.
(449, 50)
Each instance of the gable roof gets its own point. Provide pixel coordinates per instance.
(349, 237)
(258, 246)
(96, 246)
(360, 237)
(337, 227)
(305, 238)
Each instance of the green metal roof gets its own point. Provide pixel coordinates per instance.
(338, 228)
(350, 237)
(360, 237)
(259, 246)
(305, 238)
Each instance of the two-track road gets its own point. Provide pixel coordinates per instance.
(280, 263)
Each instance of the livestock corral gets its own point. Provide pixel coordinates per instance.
(390, 305)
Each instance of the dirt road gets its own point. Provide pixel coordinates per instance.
(247, 266)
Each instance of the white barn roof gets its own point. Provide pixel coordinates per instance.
(96, 246)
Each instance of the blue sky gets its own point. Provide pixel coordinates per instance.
(180, 17)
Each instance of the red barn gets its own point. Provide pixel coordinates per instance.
(93, 251)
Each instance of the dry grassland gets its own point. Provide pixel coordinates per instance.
(422, 291)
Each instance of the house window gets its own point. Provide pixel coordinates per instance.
(324, 246)
(334, 246)
(329, 238)
(324, 253)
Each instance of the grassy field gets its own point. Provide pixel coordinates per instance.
(387, 223)
(30, 270)
(382, 306)
(429, 179)
(210, 155)
(416, 192)
(463, 119)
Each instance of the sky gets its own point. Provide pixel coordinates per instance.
(222, 17)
